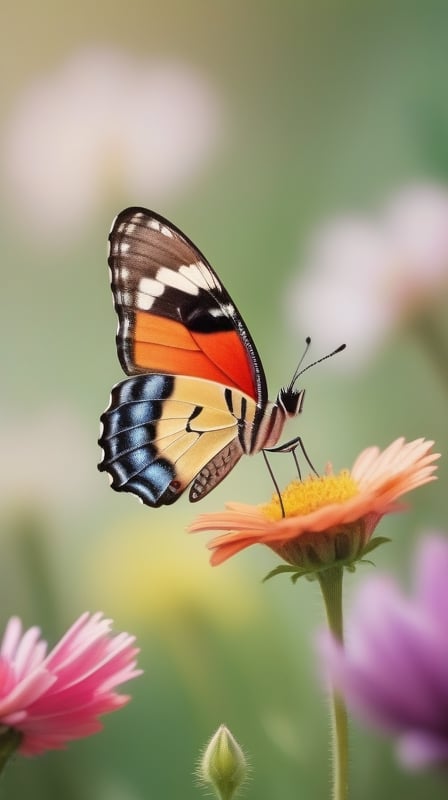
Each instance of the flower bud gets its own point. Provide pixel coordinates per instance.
(223, 764)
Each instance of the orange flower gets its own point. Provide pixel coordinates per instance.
(328, 519)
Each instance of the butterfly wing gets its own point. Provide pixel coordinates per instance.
(196, 382)
(175, 316)
(161, 432)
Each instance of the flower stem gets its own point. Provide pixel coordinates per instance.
(426, 329)
(30, 536)
(331, 585)
(9, 742)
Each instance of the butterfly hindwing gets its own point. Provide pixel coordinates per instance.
(215, 470)
(175, 316)
(161, 432)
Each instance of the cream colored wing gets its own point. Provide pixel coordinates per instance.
(161, 432)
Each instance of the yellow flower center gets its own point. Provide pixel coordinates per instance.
(303, 497)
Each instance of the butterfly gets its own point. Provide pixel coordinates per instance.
(196, 399)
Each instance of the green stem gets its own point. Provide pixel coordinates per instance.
(9, 742)
(427, 331)
(331, 585)
(31, 539)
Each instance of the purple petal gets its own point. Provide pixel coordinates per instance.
(431, 575)
(372, 699)
(419, 749)
(385, 645)
(393, 671)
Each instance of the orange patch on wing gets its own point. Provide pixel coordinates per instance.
(227, 351)
(151, 329)
(163, 345)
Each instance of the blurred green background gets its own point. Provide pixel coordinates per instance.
(315, 108)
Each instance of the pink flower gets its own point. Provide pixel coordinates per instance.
(52, 699)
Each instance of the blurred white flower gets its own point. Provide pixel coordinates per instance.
(47, 461)
(105, 121)
(365, 275)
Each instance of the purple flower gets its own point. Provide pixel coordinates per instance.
(393, 671)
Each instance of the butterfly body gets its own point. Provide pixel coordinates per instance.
(196, 399)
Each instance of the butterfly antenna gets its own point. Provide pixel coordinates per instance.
(300, 372)
(302, 357)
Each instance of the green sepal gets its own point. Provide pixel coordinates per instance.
(373, 544)
(312, 569)
(223, 765)
(281, 569)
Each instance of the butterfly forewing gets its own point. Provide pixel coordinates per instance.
(175, 316)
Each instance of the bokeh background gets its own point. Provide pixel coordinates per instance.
(250, 125)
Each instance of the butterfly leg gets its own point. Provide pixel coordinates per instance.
(277, 489)
(291, 447)
(288, 447)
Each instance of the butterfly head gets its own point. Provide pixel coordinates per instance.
(290, 400)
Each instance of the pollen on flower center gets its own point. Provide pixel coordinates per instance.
(303, 497)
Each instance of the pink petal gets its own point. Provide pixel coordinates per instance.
(54, 699)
